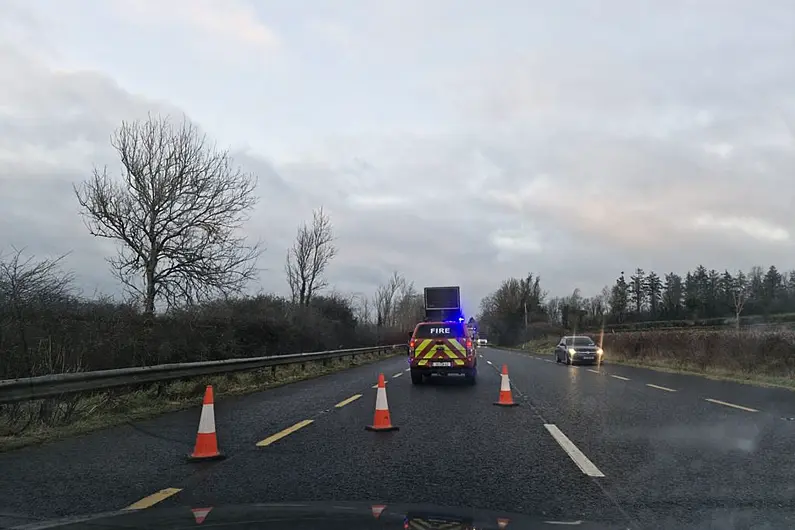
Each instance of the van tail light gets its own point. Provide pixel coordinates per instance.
(469, 344)
(412, 343)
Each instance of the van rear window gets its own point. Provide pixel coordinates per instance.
(450, 330)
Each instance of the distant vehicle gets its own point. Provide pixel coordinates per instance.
(483, 342)
(578, 349)
(442, 348)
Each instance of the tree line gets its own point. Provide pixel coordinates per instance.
(175, 212)
(699, 295)
(519, 309)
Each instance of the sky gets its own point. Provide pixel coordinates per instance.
(458, 142)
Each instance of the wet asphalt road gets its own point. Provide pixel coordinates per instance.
(624, 446)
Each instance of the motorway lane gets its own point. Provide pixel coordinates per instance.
(772, 400)
(112, 468)
(670, 458)
(453, 448)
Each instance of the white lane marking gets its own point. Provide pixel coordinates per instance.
(660, 387)
(376, 385)
(397, 375)
(549, 361)
(594, 371)
(488, 362)
(619, 377)
(579, 458)
(747, 409)
(407, 370)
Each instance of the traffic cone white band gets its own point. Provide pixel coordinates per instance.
(380, 400)
(505, 384)
(207, 420)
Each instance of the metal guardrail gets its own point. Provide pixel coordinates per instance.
(46, 386)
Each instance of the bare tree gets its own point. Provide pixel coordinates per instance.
(27, 288)
(385, 299)
(175, 212)
(740, 292)
(309, 256)
(363, 308)
(409, 307)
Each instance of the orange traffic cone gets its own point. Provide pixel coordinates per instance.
(506, 398)
(206, 447)
(381, 421)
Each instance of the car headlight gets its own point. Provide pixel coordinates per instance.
(599, 351)
(572, 351)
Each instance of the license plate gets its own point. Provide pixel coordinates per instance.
(588, 357)
(441, 364)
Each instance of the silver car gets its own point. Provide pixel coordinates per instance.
(578, 349)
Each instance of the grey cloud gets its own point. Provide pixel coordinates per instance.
(596, 150)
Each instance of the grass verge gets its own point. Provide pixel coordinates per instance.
(32, 423)
(673, 365)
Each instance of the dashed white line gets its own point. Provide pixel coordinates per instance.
(397, 375)
(660, 387)
(407, 370)
(620, 377)
(594, 371)
(585, 465)
(747, 409)
(489, 362)
(548, 361)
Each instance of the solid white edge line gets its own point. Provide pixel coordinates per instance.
(585, 465)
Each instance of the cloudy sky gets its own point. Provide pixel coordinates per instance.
(458, 142)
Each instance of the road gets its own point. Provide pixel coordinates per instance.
(625, 446)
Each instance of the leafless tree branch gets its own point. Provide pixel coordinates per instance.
(306, 262)
(176, 213)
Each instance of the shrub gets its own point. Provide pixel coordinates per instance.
(767, 352)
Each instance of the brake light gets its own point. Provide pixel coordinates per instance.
(469, 344)
(412, 343)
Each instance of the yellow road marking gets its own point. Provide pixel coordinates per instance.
(747, 409)
(619, 377)
(153, 499)
(346, 401)
(397, 375)
(661, 387)
(279, 435)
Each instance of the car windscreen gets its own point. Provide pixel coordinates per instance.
(579, 341)
(441, 331)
